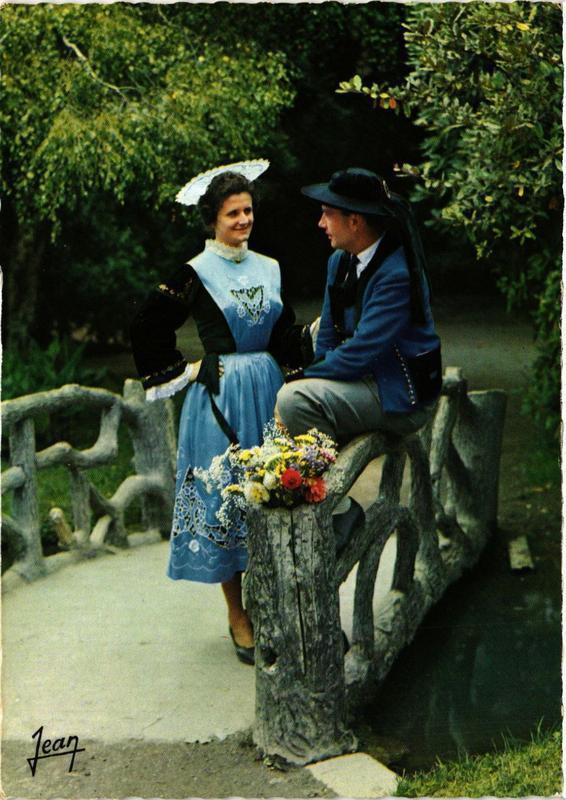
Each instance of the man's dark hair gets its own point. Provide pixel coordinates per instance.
(220, 188)
(377, 223)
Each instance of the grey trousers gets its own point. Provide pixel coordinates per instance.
(342, 409)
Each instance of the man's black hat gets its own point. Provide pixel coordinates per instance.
(364, 192)
(352, 189)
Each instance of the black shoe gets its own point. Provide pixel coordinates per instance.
(245, 654)
(345, 524)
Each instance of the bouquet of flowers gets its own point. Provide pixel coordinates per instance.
(281, 473)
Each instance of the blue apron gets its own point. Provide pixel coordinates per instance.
(248, 294)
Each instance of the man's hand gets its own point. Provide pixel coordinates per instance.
(279, 422)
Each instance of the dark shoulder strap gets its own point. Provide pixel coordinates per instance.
(391, 242)
(336, 295)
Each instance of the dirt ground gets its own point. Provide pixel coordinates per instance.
(139, 769)
(232, 767)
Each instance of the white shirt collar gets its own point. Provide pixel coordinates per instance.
(366, 256)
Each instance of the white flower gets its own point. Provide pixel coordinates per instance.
(255, 493)
(270, 480)
(216, 475)
(194, 546)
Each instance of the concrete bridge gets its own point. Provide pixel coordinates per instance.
(82, 645)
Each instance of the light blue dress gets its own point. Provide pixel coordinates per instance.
(249, 295)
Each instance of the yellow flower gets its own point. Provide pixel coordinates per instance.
(245, 456)
(271, 462)
(232, 489)
(256, 493)
(306, 438)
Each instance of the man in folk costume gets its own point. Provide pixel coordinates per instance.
(377, 364)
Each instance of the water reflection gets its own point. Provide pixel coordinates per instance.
(486, 661)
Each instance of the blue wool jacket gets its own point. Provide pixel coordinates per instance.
(384, 342)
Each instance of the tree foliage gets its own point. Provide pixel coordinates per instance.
(485, 85)
(117, 101)
(120, 99)
(107, 109)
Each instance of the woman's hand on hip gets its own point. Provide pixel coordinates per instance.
(194, 370)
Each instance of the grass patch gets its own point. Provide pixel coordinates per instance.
(519, 770)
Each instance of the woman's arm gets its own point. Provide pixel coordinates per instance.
(162, 368)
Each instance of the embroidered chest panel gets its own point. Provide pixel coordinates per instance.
(248, 294)
(251, 304)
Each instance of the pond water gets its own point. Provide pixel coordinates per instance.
(486, 661)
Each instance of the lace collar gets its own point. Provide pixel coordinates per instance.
(236, 254)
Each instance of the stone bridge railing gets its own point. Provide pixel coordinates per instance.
(98, 521)
(304, 683)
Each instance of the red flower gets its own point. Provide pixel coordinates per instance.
(291, 478)
(316, 491)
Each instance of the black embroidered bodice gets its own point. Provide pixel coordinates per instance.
(169, 305)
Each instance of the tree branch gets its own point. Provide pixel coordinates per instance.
(81, 56)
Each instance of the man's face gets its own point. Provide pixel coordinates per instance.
(338, 227)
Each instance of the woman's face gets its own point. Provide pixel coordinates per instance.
(235, 220)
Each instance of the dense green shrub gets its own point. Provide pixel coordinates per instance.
(485, 85)
(31, 368)
(95, 283)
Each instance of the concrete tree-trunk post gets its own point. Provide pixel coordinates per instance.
(292, 595)
(153, 436)
(80, 501)
(25, 509)
(473, 460)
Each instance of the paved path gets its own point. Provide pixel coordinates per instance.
(111, 650)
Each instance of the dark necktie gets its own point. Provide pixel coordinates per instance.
(351, 281)
(352, 273)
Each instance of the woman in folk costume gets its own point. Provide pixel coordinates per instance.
(234, 295)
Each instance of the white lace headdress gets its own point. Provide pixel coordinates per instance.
(193, 190)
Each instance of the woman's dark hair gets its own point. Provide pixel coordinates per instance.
(219, 189)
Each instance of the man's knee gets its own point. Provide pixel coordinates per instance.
(286, 404)
(300, 406)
